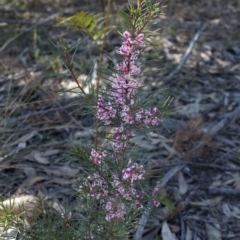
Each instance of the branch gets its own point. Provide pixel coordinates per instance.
(185, 56)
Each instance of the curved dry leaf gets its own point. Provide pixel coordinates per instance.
(208, 202)
(166, 233)
(226, 210)
(21, 145)
(142, 142)
(84, 133)
(31, 181)
(50, 152)
(53, 170)
(61, 181)
(189, 234)
(182, 184)
(24, 138)
(68, 171)
(30, 156)
(213, 232)
(39, 158)
(29, 171)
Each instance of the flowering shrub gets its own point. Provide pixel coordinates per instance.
(110, 194)
(112, 185)
(122, 109)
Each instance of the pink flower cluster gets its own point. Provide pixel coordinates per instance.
(155, 201)
(123, 100)
(98, 188)
(133, 173)
(95, 186)
(118, 193)
(120, 138)
(115, 210)
(124, 190)
(97, 157)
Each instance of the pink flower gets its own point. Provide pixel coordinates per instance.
(120, 136)
(155, 202)
(66, 216)
(140, 40)
(127, 35)
(133, 173)
(155, 190)
(114, 210)
(100, 228)
(97, 157)
(105, 111)
(95, 187)
(108, 206)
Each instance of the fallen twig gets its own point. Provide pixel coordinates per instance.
(185, 56)
(224, 191)
(229, 118)
(207, 165)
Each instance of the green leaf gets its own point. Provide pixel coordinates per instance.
(85, 22)
(168, 203)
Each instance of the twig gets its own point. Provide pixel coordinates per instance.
(229, 118)
(183, 231)
(224, 191)
(207, 165)
(167, 177)
(70, 68)
(185, 56)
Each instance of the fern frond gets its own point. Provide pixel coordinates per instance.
(85, 22)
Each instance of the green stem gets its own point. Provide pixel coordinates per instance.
(100, 50)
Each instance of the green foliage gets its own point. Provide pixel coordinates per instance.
(140, 15)
(8, 217)
(91, 24)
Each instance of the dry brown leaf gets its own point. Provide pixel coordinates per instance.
(88, 132)
(208, 202)
(30, 156)
(68, 171)
(62, 171)
(188, 234)
(39, 158)
(213, 232)
(166, 233)
(226, 210)
(182, 184)
(174, 228)
(29, 171)
(61, 181)
(24, 138)
(231, 211)
(142, 142)
(53, 170)
(31, 181)
(50, 152)
(21, 145)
